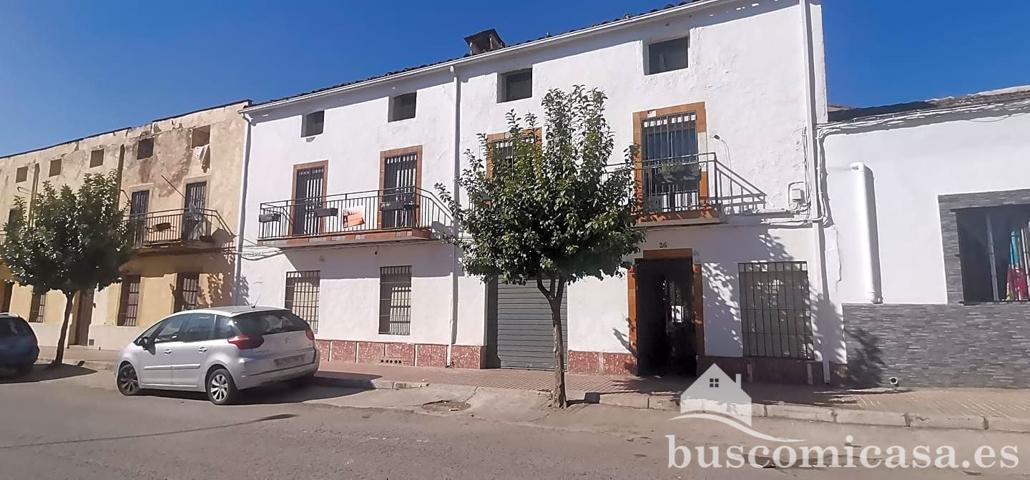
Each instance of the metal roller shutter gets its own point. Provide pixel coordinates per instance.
(522, 324)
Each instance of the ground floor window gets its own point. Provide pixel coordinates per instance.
(38, 307)
(994, 253)
(302, 290)
(128, 306)
(187, 291)
(775, 310)
(395, 300)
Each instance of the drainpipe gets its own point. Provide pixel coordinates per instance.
(815, 211)
(238, 268)
(35, 189)
(456, 264)
(866, 207)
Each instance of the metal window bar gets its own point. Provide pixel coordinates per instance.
(302, 290)
(775, 310)
(400, 204)
(37, 313)
(353, 212)
(193, 218)
(672, 176)
(128, 308)
(173, 226)
(395, 300)
(309, 190)
(187, 291)
(139, 204)
(502, 153)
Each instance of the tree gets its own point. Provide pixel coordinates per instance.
(552, 212)
(72, 241)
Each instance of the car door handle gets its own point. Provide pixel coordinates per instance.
(202, 349)
(168, 351)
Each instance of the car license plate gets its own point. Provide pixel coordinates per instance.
(289, 361)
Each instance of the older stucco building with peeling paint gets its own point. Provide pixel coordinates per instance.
(180, 182)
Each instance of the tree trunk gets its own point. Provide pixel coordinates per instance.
(59, 358)
(554, 294)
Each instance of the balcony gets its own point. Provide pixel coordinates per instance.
(178, 231)
(374, 216)
(692, 189)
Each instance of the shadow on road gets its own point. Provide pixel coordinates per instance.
(272, 394)
(44, 372)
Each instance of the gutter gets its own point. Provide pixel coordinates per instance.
(692, 7)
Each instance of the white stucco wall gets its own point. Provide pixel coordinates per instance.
(745, 64)
(912, 163)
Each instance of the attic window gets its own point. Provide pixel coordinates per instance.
(96, 158)
(145, 148)
(402, 107)
(312, 123)
(55, 167)
(666, 56)
(515, 85)
(21, 174)
(713, 382)
(200, 136)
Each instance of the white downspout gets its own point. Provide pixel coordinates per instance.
(811, 117)
(238, 269)
(456, 264)
(865, 207)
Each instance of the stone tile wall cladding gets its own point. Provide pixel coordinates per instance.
(951, 345)
(419, 355)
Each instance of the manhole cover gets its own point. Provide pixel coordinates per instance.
(445, 406)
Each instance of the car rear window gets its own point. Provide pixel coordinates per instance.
(14, 327)
(269, 323)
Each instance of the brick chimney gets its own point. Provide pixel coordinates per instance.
(484, 41)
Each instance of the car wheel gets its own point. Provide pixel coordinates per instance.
(128, 381)
(221, 389)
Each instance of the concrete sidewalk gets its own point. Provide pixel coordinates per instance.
(977, 409)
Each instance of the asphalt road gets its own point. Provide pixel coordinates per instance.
(64, 428)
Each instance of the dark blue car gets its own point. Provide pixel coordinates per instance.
(18, 347)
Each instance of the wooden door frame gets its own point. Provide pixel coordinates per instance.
(293, 191)
(697, 290)
(398, 152)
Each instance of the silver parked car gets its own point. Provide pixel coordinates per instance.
(219, 351)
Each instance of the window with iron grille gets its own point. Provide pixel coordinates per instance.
(395, 300)
(774, 309)
(302, 295)
(187, 291)
(128, 306)
(994, 253)
(501, 153)
(38, 307)
(96, 158)
(399, 202)
(671, 170)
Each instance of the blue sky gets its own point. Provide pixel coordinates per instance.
(70, 68)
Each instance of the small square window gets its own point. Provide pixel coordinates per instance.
(200, 136)
(55, 167)
(312, 123)
(145, 148)
(21, 174)
(96, 158)
(667, 55)
(516, 85)
(402, 107)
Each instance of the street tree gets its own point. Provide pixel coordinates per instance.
(548, 210)
(72, 241)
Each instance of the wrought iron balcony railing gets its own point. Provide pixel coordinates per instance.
(677, 184)
(354, 212)
(181, 226)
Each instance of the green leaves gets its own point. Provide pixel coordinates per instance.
(550, 207)
(73, 240)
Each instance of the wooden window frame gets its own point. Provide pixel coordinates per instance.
(497, 137)
(397, 152)
(700, 127)
(697, 302)
(123, 301)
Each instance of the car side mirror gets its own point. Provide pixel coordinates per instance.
(143, 342)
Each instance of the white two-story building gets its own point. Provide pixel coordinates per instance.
(342, 223)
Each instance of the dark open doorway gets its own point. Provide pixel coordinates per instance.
(666, 333)
(83, 317)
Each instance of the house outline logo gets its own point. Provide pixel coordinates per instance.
(715, 392)
(715, 396)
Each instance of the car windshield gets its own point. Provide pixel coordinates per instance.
(12, 327)
(269, 323)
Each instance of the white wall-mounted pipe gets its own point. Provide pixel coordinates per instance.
(866, 208)
(237, 280)
(456, 265)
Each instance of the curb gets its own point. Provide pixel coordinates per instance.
(842, 416)
(362, 384)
